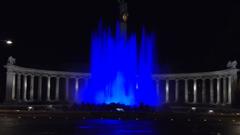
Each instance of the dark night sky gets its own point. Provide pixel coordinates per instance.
(191, 35)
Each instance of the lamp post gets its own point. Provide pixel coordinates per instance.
(6, 46)
(7, 43)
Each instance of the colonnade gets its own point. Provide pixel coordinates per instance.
(27, 85)
(216, 88)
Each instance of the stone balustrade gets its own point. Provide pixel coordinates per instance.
(34, 85)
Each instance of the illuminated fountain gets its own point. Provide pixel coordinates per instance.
(119, 72)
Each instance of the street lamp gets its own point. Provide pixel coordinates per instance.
(8, 42)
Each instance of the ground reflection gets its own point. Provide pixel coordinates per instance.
(61, 126)
(116, 127)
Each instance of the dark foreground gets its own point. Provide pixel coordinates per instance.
(58, 122)
(68, 126)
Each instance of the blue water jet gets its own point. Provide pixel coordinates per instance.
(121, 70)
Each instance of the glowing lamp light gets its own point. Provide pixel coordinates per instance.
(193, 108)
(210, 111)
(125, 17)
(9, 42)
(120, 109)
(30, 108)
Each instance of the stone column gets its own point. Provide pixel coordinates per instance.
(40, 88)
(48, 88)
(25, 88)
(14, 87)
(176, 90)
(19, 87)
(186, 91)
(32, 88)
(194, 91)
(224, 91)
(10, 86)
(86, 82)
(67, 89)
(234, 85)
(229, 90)
(157, 87)
(76, 89)
(211, 91)
(57, 89)
(218, 91)
(203, 91)
(167, 91)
